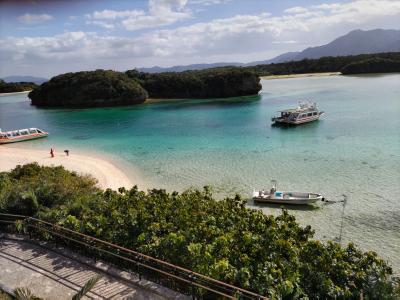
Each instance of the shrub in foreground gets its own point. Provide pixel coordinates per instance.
(274, 256)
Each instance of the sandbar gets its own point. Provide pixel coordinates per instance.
(107, 174)
(14, 93)
(301, 75)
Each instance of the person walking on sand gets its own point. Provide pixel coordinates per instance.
(51, 152)
(66, 152)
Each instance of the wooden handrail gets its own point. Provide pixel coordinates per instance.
(186, 276)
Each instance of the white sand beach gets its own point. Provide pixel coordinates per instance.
(107, 174)
(301, 75)
(14, 93)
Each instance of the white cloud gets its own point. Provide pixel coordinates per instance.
(34, 19)
(238, 38)
(160, 13)
(113, 14)
(102, 24)
(209, 2)
(296, 10)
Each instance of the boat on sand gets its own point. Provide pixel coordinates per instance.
(281, 197)
(21, 135)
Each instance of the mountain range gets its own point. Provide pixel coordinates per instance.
(353, 43)
(37, 80)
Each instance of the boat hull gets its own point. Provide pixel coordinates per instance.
(22, 138)
(299, 199)
(296, 122)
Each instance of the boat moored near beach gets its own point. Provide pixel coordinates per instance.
(281, 197)
(21, 135)
(304, 113)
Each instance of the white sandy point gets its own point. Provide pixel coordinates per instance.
(107, 174)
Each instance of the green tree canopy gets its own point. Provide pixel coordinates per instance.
(224, 239)
(88, 89)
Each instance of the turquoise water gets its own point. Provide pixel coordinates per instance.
(353, 152)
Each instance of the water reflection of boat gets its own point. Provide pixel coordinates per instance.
(280, 197)
(304, 113)
(21, 135)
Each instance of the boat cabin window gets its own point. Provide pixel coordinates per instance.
(24, 132)
(309, 114)
(303, 115)
(9, 134)
(32, 131)
(315, 113)
(15, 133)
(39, 131)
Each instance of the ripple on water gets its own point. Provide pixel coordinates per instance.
(82, 137)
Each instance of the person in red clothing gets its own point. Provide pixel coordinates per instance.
(51, 152)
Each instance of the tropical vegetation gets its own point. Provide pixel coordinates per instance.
(383, 62)
(12, 87)
(23, 293)
(210, 83)
(88, 89)
(224, 239)
(372, 65)
(110, 88)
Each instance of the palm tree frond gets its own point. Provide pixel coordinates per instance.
(87, 287)
(25, 294)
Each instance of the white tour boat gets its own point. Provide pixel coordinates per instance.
(21, 135)
(280, 197)
(304, 113)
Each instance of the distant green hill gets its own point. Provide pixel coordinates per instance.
(16, 86)
(329, 64)
(372, 65)
(25, 78)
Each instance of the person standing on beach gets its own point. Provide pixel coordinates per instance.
(66, 152)
(51, 152)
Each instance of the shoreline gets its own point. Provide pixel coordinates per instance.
(14, 93)
(107, 173)
(303, 75)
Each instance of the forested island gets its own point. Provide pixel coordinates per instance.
(273, 256)
(110, 88)
(88, 89)
(353, 64)
(13, 87)
(209, 83)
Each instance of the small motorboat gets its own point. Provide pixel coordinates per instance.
(306, 112)
(280, 197)
(21, 135)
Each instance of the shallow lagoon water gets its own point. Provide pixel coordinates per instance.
(353, 152)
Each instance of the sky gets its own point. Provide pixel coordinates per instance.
(50, 37)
